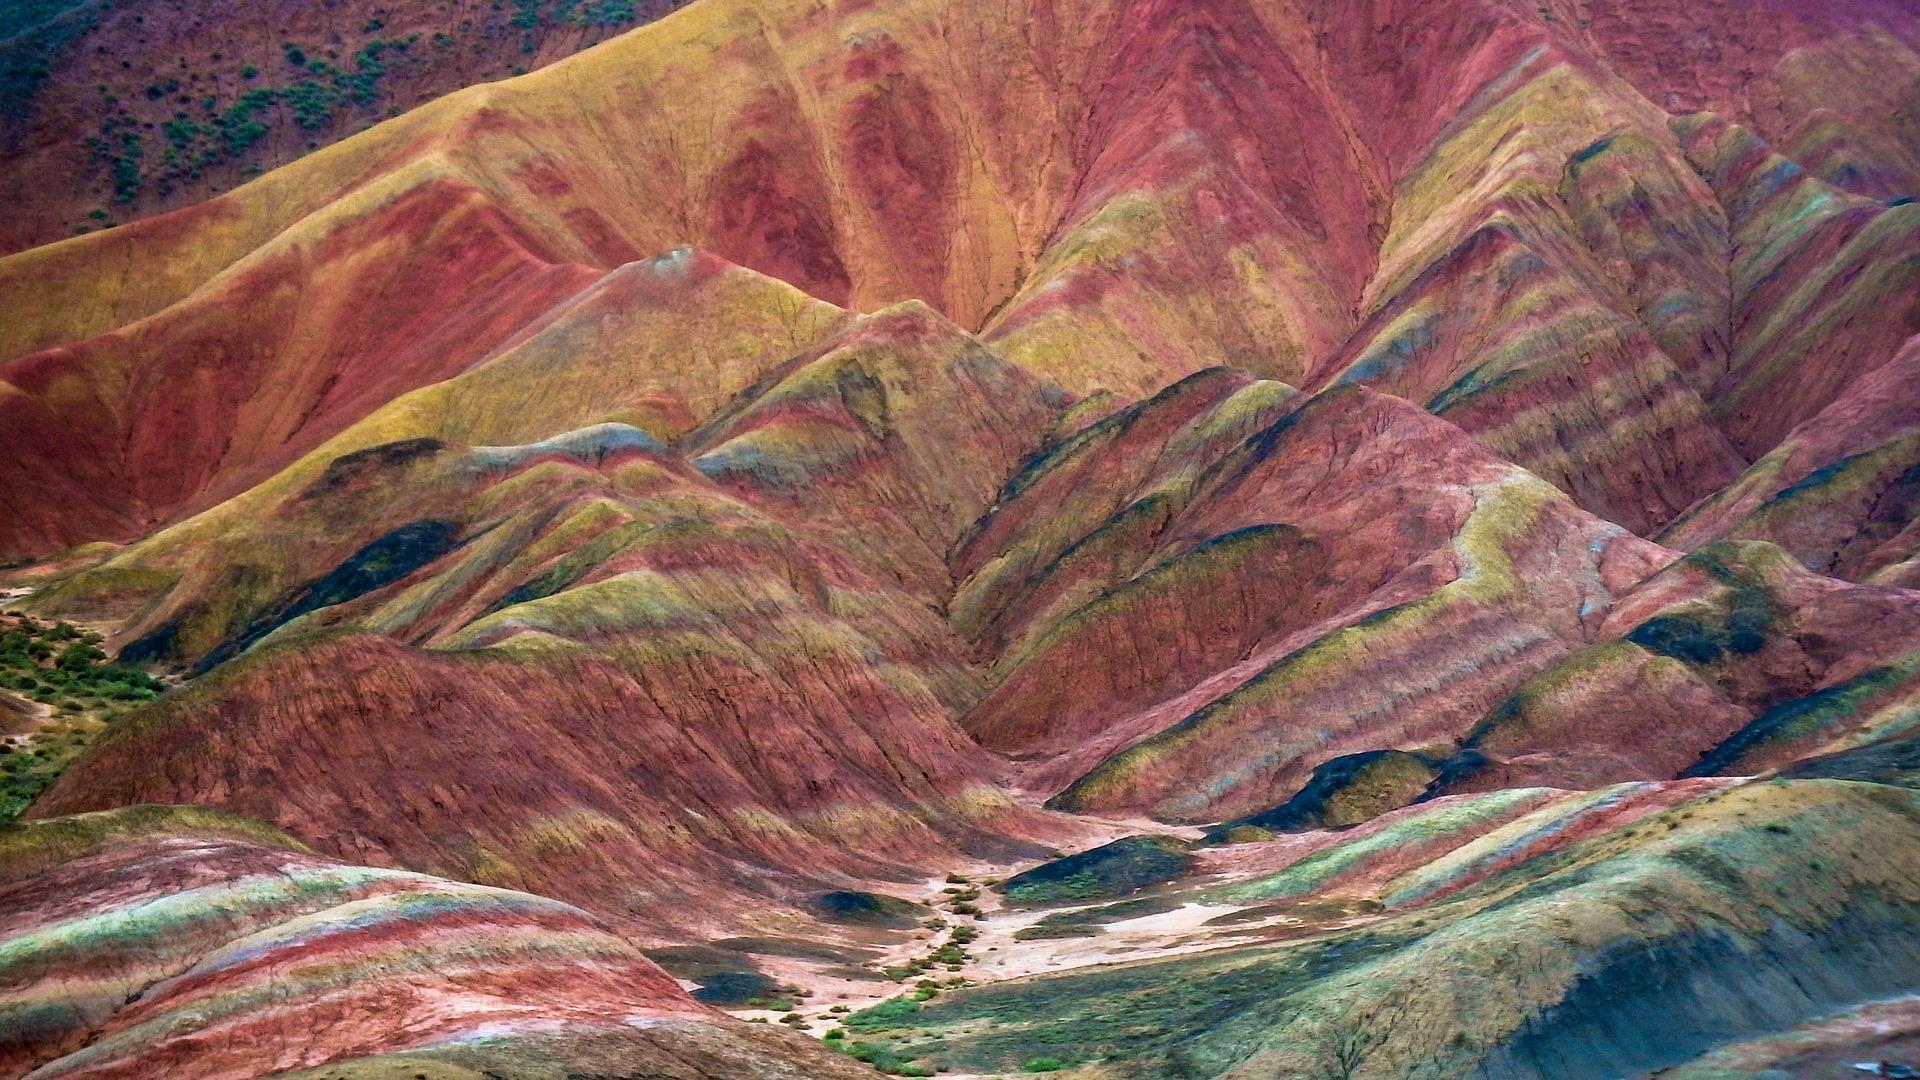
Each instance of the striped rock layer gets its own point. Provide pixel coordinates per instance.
(790, 449)
(154, 941)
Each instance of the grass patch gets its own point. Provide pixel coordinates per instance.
(61, 668)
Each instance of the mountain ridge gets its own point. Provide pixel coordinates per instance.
(1113, 536)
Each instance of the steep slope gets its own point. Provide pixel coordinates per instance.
(654, 675)
(1815, 274)
(120, 433)
(589, 159)
(569, 776)
(1224, 182)
(1120, 477)
(1838, 491)
(285, 352)
(1731, 661)
(110, 113)
(1358, 534)
(1512, 291)
(1831, 83)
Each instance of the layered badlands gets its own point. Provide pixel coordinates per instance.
(1448, 471)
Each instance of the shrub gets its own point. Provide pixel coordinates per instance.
(884, 1014)
(79, 657)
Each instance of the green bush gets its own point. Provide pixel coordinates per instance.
(884, 1014)
(79, 657)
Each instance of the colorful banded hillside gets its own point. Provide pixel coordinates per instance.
(827, 538)
(111, 112)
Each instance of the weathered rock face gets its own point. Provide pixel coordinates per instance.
(1493, 223)
(1390, 541)
(647, 666)
(167, 940)
(179, 411)
(1823, 81)
(566, 774)
(730, 480)
(1806, 258)
(1728, 662)
(1838, 491)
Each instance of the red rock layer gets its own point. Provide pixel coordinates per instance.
(1824, 79)
(1114, 194)
(659, 796)
(166, 941)
(656, 675)
(1695, 654)
(1838, 491)
(1355, 535)
(111, 436)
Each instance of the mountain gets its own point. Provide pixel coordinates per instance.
(230, 950)
(1125, 537)
(114, 112)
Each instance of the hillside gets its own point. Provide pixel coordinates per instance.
(115, 111)
(1124, 537)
